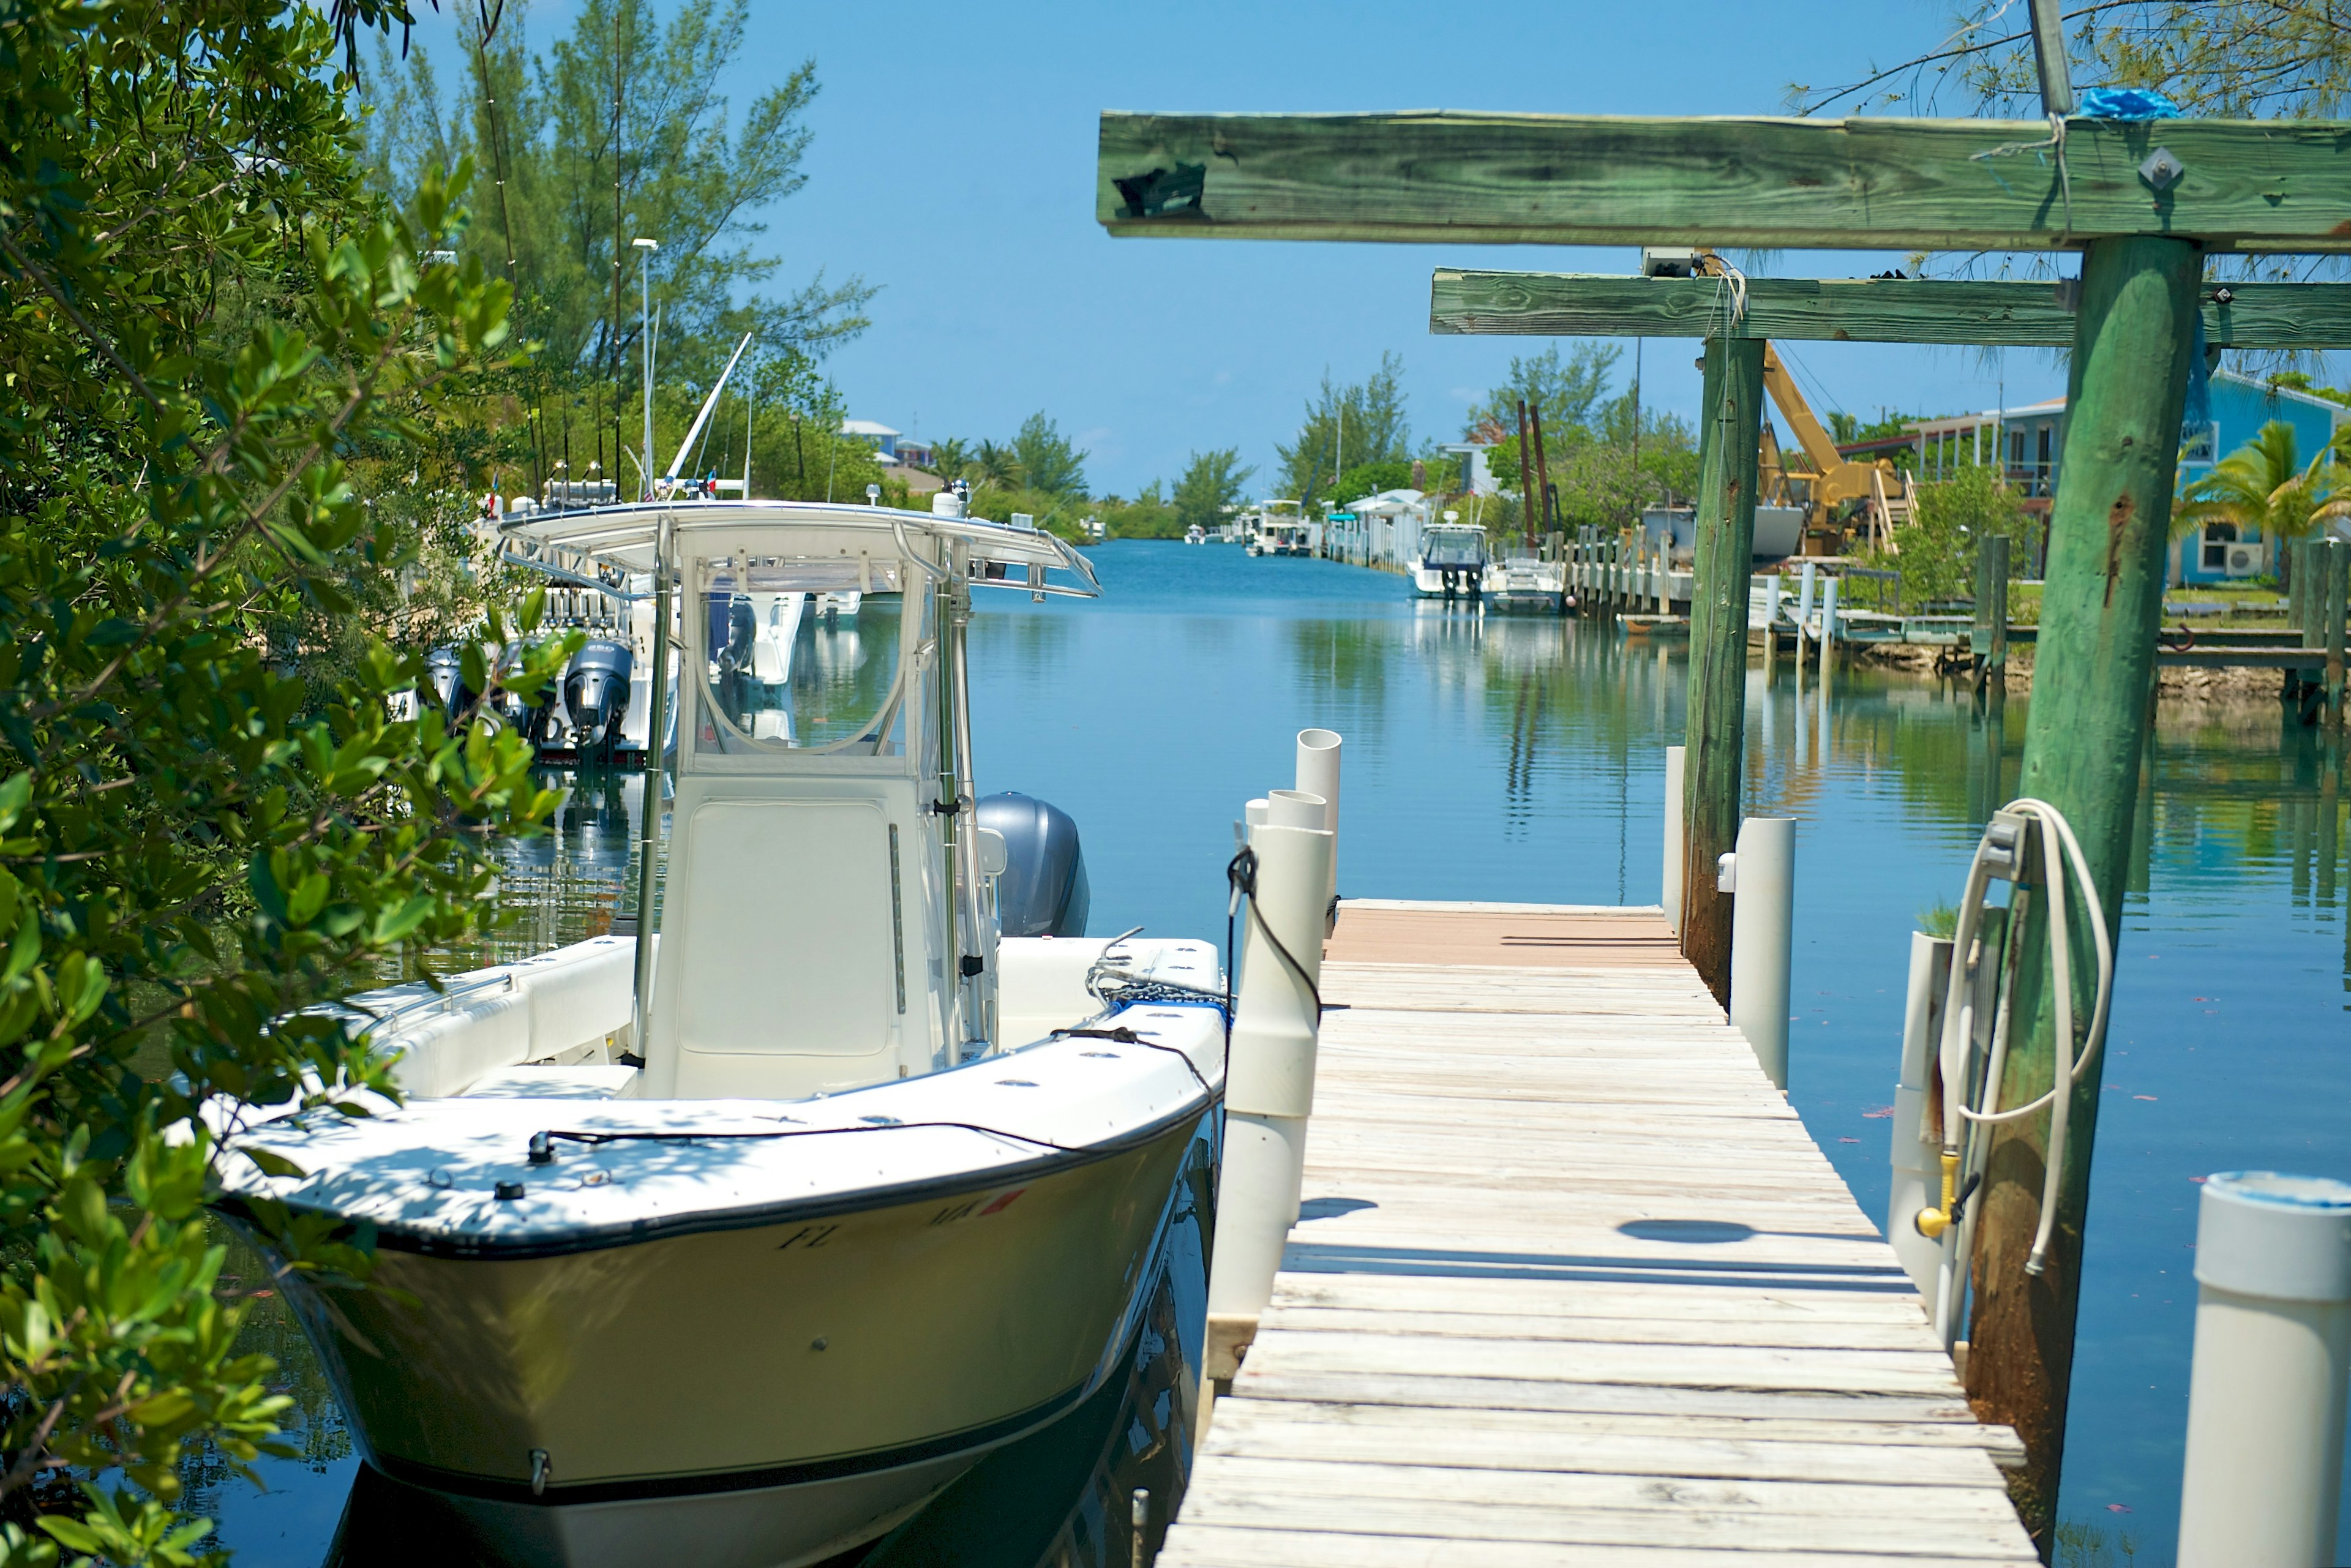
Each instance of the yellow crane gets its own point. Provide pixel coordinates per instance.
(1834, 480)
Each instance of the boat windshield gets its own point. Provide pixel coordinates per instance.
(795, 654)
(1455, 547)
(800, 627)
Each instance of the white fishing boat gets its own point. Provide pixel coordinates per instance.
(1454, 562)
(1196, 535)
(734, 1245)
(1522, 579)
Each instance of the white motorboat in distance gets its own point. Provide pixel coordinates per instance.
(1453, 563)
(1523, 581)
(746, 1284)
(1279, 528)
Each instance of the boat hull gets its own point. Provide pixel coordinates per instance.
(786, 1526)
(760, 1395)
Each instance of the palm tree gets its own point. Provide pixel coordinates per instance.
(2264, 485)
(950, 455)
(996, 465)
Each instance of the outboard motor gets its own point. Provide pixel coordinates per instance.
(732, 628)
(595, 693)
(1043, 890)
(533, 719)
(444, 675)
(734, 642)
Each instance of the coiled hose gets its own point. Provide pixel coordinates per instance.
(1965, 1135)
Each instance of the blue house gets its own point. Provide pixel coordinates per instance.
(2239, 405)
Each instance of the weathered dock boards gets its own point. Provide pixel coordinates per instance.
(1571, 1284)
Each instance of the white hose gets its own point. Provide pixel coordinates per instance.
(2061, 854)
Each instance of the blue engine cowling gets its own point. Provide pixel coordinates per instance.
(596, 692)
(1043, 890)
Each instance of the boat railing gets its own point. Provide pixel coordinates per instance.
(443, 1000)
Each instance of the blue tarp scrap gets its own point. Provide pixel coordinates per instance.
(2131, 103)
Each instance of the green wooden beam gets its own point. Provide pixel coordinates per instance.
(1858, 310)
(1536, 179)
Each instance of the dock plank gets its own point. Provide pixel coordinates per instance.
(1571, 1281)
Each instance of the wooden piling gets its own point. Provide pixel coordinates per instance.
(2297, 580)
(1989, 635)
(2109, 538)
(1732, 428)
(2330, 557)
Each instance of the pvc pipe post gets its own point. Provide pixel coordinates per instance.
(1917, 1146)
(1318, 774)
(1269, 1074)
(1676, 831)
(1762, 920)
(1828, 618)
(1808, 584)
(2266, 1396)
(1296, 809)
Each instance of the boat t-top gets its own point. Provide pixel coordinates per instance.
(735, 1243)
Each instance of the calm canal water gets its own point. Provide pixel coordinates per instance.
(1522, 759)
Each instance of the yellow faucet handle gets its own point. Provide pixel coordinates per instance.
(1933, 1222)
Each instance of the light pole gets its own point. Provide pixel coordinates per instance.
(645, 329)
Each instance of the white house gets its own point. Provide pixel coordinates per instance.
(1381, 529)
(1476, 476)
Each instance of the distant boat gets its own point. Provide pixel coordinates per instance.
(1196, 535)
(1525, 580)
(1452, 563)
(1277, 528)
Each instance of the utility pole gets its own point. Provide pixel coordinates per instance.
(1526, 475)
(1542, 472)
(613, 341)
(646, 337)
(1638, 344)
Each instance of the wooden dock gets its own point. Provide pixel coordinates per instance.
(1573, 1285)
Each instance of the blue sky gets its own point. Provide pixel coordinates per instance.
(952, 164)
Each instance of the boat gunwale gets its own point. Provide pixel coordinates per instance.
(391, 1236)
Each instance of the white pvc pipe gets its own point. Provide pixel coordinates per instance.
(1762, 920)
(1808, 584)
(1296, 809)
(1269, 1074)
(1917, 1144)
(1318, 774)
(2265, 1398)
(1676, 829)
(1254, 814)
(1828, 618)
